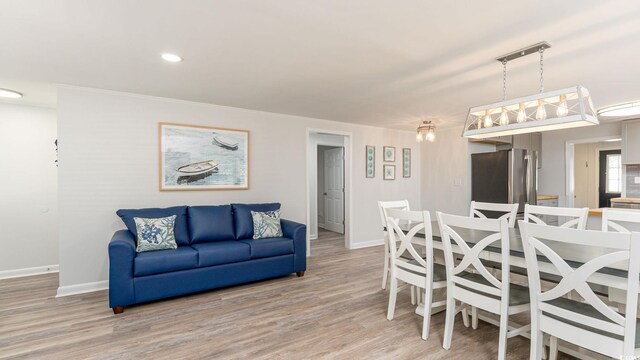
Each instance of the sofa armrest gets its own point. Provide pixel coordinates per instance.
(297, 232)
(122, 252)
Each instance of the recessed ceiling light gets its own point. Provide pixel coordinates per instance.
(171, 57)
(628, 109)
(6, 93)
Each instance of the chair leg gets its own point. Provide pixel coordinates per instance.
(537, 344)
(413, 295)
(427, 303)
(474, 317)
(553, 348)
(385, 271)
(449, 319)
(393, 292)
(465, 316)
(502, 339)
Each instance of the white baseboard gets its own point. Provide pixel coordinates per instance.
(313, 236)
(365, 244)
(38, 270)
(82, 288)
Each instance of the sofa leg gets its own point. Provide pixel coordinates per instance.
(118, 310)
(300, 273)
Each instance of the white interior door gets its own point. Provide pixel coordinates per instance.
(334, 190)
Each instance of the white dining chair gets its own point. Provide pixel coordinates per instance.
(480, 289)
(613, 220)
(408, 265)
(590, 323)
(382, 207)
(577, 216)
(510, 211)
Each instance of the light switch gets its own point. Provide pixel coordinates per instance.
(457, 182)
(636, 180)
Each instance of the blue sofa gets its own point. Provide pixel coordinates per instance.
(215, 249)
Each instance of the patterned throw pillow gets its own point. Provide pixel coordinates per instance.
(266, 224)
(155, 234)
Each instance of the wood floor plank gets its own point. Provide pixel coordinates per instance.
(336, 311)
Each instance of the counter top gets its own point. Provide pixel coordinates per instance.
(548, 197)
(596, 212)
(626, 200)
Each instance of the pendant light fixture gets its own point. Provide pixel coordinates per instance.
(568, 108)
(426, 131)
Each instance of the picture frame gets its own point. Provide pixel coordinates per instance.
(389, 172)
(406, 162)
(389, 154)
(370, 161)
(195, 157)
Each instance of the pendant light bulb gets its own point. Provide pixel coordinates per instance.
(563, 109)
(504, 117)
(522, 114)
(419, 136)
(541, 113)
(488, 122)
(431, 135)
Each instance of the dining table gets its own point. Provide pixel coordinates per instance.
(610, 281)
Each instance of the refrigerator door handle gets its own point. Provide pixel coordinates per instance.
(527, 184)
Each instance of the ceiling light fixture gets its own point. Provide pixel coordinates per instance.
(171, 57)
(628, 109)
(551, 110)
(426, 130)
(11, 94)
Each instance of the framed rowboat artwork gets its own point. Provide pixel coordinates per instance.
(194, 157)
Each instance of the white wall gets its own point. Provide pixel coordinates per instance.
(552, 175)
(109, 159)
(446, 172)
(28, 190)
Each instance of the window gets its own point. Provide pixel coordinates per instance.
(614, 173)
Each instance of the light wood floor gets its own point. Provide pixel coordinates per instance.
(336, 311)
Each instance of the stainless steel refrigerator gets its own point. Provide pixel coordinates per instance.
(507, 176)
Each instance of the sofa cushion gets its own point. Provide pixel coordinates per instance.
(262, 248)
(210, 223)
(155, 234)
(266, 224)
(181, 231)
(163, 261)
(243, 220)
(222, 252)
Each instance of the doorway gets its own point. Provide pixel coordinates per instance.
(331, 188)
(584, 180)
(328, 185)
(610, 176)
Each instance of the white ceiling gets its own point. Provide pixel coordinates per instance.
(385, 63)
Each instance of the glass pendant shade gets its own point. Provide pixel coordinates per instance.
(426, 130)
(541, 113)
(419, 136)
(431, 135)
(504, 117)
(562, 110)
(522, 114)
(488, 122)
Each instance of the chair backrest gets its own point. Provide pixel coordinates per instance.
(612, 218)
(401, 243)
(578, 216)
(471, 236)
(606, 249)
(383, 206)
(510, 210)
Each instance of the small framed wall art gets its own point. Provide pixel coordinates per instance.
(389, 172)
(370, 152)
(389, 154)
(406, 162)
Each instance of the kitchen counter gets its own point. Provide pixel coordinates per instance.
(596, 212)
(626, 200)
(547, 197)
